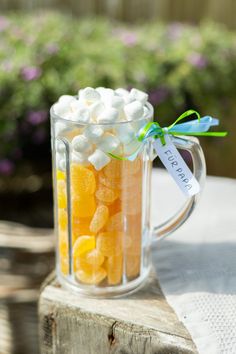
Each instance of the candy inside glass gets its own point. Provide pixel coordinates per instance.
(102, 205)
(102, 217)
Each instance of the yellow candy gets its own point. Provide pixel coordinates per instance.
(83, 206)
(109, 243)
(61, 194)
(114, 269)
(89, 261)
(64, 265)
(91, 277)
(99, 219)
(106, 195)
(61, 175)
(62, 219)
(83, 181)
(116, 222)
(82, 245)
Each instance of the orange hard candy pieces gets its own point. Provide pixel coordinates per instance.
(106, 195)
(62, 219)
(63, 244)
(114, 269)
(82, 245)
(113, 169)
(99, 219)
(61, 194)
(64, 265)
(114, 183)
(131, 167)
(92, 278)
(61, 175)
(132, 206)
(116, 222)
(83, 181)
(80, 226)
(83, 206)
(133, 265)
(115, 207)
(89, 261)
(110, 243)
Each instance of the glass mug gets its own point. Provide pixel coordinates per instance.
(102, 218)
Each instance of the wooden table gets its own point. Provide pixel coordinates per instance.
(141, 323)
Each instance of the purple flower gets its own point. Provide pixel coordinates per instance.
(159, 95)
(52, 48)
(37, 117)
(30, 73)
(197, 60)
(4, 23)
(6, 167)
(128, 38)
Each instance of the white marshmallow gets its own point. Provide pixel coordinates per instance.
(109, 115)
(89, 95)
(59, 128)
(98, 159)
(125, 132)
(116, 102)
(134, 110)
(139, 95)
(93, 133)
(131, 147)
(95, 109)
(66, 99)
(108, 143)
(80, 143)
(61, 109)
(60, 147)
(122, 92)
(76, 104)
(60, 162)
(81, 115)
(79, 158)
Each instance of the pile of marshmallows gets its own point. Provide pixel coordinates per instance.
(98, 110)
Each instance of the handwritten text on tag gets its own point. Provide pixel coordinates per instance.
(176, 166)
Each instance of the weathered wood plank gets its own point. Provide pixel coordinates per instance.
(141, 323)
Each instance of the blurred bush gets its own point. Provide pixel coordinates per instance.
(46, 55)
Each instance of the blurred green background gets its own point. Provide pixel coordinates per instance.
(183, 53)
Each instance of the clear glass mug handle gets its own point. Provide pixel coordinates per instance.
(191, 145)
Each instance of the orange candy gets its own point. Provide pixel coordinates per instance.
(62, 219)
(64, 265)
(106, 195)
(99, 219)
(110, 243)
(63, 244)
(113, 169)
(131, 167)
(94, 277)
(61, 175)
(80, 226)
(61, 194)
(116, 222)
(89, 261)
(133, 265)
(82, 180)
(109, 182)
(83, 206)
(82, 245)
(114, 269)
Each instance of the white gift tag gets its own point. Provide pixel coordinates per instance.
(176, 166)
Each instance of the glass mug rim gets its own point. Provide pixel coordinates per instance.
(148, 116)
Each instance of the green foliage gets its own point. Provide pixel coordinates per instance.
(46, 55)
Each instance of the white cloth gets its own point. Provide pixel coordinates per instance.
(196, 266)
